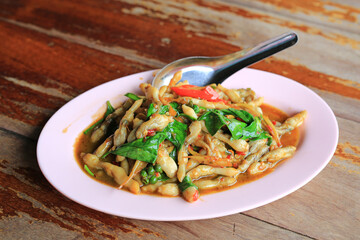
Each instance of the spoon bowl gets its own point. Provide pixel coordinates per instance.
(201, 71)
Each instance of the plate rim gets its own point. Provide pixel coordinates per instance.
(209, 215)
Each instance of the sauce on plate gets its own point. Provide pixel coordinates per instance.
(84, 145)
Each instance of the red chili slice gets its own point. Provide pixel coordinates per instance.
(207, 93)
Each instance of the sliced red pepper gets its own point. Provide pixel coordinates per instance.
(207, 93)
(157, 174)
(240, 153)
(196, 195)
(151, 132)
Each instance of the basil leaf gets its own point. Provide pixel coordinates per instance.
(93, 126)
(151, 110)
(262, 136)
(163, 109)
(132, 96)
(214, 120)
(186, 183)
(176, 132)
(174, 154)
(196, 108)
(248, 130)
(254, 131)
(242, 114)
(236, 128)
(176, 107)
(139, 149)
(109, 110)
(147, 150)
(187, 116)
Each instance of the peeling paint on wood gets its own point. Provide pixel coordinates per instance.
(333, 11)
(348, 152)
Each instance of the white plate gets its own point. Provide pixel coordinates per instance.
(55, 152)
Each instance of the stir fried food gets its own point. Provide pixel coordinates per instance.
(182, 140)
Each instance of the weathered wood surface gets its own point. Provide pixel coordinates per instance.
(51, 51)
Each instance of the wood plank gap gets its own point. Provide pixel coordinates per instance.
(77, 39)
(17, 134)
(36, 87)
(272, 224)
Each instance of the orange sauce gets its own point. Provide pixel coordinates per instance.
(84, 145)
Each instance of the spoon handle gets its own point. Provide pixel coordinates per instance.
(231, 63)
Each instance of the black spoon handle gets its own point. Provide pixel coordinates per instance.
(244, 58)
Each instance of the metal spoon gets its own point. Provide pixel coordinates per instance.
(201, 71)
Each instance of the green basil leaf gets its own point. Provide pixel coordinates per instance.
(270, 140)
(187, 116)
(176, 107)
(89, 129)
(174, 154)
(147, 150)
(151, 110)
(176, 133)
(109, 109)
(186, 183)
(236, 128)
(139, 149)
(132, 96)
(164, 109)
(242, 114)
(254, 131)
(214, 120)
(263, 135)
(196, 108)
(250, 131)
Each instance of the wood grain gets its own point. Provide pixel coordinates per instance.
(52, 52)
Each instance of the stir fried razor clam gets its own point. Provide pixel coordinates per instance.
(185, 140)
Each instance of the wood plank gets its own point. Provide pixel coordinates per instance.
(193, 32)
(45, 73)
(343, 107)
(336, 14)
(45, 88)
(29, 203)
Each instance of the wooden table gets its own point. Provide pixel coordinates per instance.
(51, 51)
